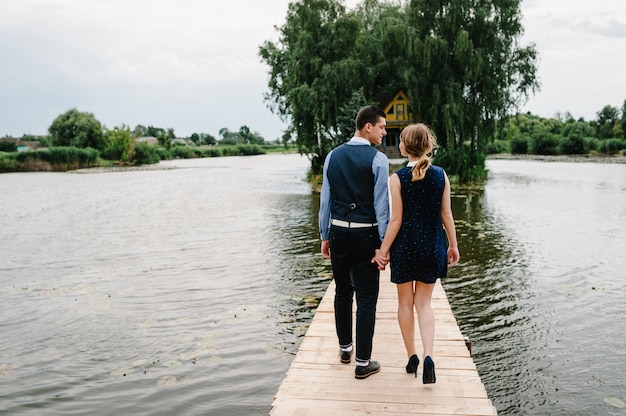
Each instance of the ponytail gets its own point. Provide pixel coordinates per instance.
(420, 168)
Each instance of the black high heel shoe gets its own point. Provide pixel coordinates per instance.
(411, 367)
(428, 376)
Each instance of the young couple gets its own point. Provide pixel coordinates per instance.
(360, 238)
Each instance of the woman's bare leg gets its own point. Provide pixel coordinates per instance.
(406, 317)
(425, 315)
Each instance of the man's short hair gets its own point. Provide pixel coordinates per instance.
(368, 114)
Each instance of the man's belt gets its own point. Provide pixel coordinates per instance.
(346, 224)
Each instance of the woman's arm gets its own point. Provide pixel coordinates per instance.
(395, 221)
(448, 222)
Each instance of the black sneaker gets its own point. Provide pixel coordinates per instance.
(365, 371)
(345, 356)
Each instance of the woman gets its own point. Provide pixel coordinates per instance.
(415, 241)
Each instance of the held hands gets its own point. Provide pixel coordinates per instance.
(381, 259)
(453, 256)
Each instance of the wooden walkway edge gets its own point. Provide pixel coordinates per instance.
(318, 384)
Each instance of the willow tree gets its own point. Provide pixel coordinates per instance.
(311, 74)
(469, 70)
(326, 64)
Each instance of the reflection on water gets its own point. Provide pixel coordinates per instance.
(541, 289)
(179, 291)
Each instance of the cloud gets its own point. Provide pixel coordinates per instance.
(610, 29)
(193, 65)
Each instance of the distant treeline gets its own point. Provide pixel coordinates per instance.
(65, 158)
(562, 135)
(77, 140)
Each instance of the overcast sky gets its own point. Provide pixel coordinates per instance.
(193, 65)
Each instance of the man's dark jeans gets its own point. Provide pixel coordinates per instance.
(351, 251)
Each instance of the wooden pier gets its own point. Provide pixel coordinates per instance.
(318, 384)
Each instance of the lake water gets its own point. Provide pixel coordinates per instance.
(187, 290)
(541, 291)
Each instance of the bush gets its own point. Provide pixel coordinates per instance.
(590, 144)
(61, 157)
(250, 149)
(544, 143)
(183, 152)
(467, 165)
(612, 146)
(519, 146)
(8, 146)
(213, 151)
(145, 154)
(242, 150)
(7, 162)
(498, 146)
(573, 145)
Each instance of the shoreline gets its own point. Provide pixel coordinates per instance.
(561, 158)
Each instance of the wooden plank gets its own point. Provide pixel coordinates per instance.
(317, 383)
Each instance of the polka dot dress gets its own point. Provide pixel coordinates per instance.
(420, 249)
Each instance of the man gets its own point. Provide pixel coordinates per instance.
(353, 217)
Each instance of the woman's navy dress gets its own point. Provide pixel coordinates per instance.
(420, 250)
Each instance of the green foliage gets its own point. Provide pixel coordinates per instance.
(612, 146)
(469, 68)
(214, 151)
(322, 57)
(249, 137)
(466, 164)
(60, 158)
(77, 129)
(242, 150)
(145, 154)
(544, 143)
(573, 145)
(527, 133)
(607, 119)
(120, 144)
(203, 138)
(228, 137)
(7, 162)
(8, 146)
(519, 145)
(459, 61)
(184, 152)
(498, 146)
(591, 144)
(623, 120)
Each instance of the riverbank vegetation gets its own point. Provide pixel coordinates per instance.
(562, 135)
(78, 140)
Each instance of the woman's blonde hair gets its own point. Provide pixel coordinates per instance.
(419, 141)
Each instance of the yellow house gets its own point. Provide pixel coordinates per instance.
(399, 115)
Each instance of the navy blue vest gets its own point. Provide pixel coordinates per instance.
(352, 183)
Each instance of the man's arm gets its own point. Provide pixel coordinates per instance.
(324, 212)
(380, 167)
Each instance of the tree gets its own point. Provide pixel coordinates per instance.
(623, 120)
(314, 71)
(468, 68)
(458, 60)
(206, 138)
(120, 144)
(228, 137)
(77, 129)
(608, 117)
(249, 137)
